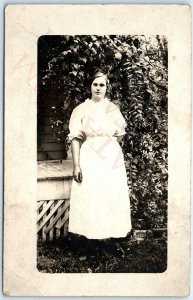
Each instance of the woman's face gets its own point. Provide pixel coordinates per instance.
(98, 88)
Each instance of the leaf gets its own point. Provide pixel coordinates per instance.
(118, 55)
(83, 59)
(93, 37)
(97, 43)
(76, 66)
(82, 258)
(74, 73)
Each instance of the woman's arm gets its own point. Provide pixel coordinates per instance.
(75, 148)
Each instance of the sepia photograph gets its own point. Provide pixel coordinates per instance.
(102, 141)
(97, 135)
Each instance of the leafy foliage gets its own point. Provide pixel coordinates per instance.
(137, 69)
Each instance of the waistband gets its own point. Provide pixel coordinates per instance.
(101, 137)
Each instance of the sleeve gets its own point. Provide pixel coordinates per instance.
(120, 123)
(75, 124)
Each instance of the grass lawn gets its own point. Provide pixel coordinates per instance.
(131, 256)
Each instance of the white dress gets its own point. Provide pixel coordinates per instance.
(99, 205)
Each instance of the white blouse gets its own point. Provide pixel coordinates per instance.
(90, 119)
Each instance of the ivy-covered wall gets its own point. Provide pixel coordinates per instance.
(137, 69)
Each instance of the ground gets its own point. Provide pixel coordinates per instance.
(129, 256)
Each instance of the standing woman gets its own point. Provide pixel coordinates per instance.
(99, 201)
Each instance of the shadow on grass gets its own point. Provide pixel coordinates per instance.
(129, 256)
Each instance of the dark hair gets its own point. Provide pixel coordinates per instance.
(99, 73)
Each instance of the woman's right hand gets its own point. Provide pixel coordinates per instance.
(77, 174)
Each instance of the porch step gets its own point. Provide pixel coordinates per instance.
(54, 179)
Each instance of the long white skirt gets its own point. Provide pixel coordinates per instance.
(100, 205)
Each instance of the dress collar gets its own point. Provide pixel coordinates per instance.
(90, 100)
